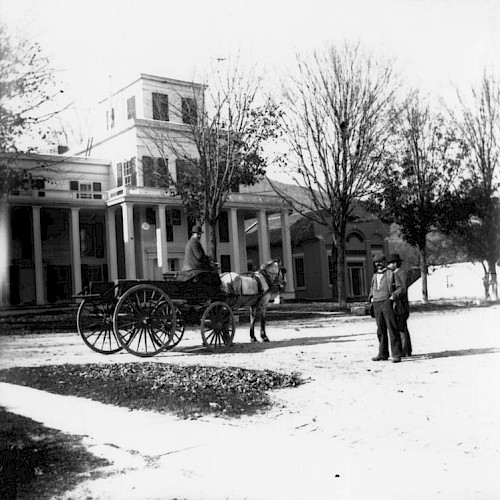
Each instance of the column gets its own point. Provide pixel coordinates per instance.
(37, 250)
(286, 242)
(128, 240)
(5, 255)
(161, 239)
(263, 237)
(111, 254)
(76, 259)
(235, 241)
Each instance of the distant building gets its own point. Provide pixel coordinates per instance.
(455, 281)
(96, 214)
(312, 262)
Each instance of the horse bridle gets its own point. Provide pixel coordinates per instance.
(272, 283)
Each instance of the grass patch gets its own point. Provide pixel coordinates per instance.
(37, 462)
(39, 322)
(186, 391)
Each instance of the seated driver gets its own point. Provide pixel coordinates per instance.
(197, 264)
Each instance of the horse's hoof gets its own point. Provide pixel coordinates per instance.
(253, 339)
(265, 339)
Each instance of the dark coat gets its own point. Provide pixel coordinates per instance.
(195, 257)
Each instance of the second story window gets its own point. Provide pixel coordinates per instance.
(131, 108)
(189, 111)
(129, 173)
(86, 190)
(160, 107)
(155, 171)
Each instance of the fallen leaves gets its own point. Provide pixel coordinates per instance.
(183, 390)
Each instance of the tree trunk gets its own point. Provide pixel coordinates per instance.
(493, 278)
(211, 240)
(341, 272)
(335, 273)
(423, 273)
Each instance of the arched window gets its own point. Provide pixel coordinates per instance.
(355, 243)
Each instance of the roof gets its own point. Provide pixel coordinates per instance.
(301, 228)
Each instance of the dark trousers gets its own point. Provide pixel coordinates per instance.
(386, 323)
(401, 322)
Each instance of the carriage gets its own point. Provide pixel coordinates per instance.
(149, 317)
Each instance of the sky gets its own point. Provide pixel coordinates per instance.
(99, 45)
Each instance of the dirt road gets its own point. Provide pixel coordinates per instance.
(427, 428)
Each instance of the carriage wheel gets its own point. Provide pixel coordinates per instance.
(217, 326)
(180, 327)
(94, 321)
(144, 320)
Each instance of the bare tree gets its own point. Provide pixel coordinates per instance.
(423, 167)
(479, 122)
(336, 126)
(220, 146)
(26, 84)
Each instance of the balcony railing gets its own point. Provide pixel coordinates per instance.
(57, 194)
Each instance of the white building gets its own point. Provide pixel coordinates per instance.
(96, 214)
(456, 281)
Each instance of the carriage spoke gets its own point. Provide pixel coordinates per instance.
(94, 321)
(144, 320)
(217, 326)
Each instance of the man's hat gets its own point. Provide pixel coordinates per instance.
(379, 258)
(196, 229)
(394, 257)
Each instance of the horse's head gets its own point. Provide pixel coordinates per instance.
(274, 273)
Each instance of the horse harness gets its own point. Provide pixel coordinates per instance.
(267, 279)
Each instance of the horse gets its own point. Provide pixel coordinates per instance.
(255, 290)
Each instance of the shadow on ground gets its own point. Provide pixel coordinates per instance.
(447, 354)
(251, 347)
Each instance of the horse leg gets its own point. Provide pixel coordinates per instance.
(252, 325)
(263, 309)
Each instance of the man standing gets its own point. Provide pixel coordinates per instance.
(401, 305)
(385, 288)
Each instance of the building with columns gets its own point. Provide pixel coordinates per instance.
(313, 256)
(96, 213)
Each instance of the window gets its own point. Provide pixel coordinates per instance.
(148, 171)
(298, 263)
(160, 107)
(163, 170)
(185, 170)
(131, 108)
(356, 272)
(224, 227)
(119, 176)
(86, 190)
(189, 111)
(173, 265)
(92, 240)
(154, 177)
(176, 217)
(129, 173)
(112, 118)
(151, 216)
(170, 225)
(225, 263)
